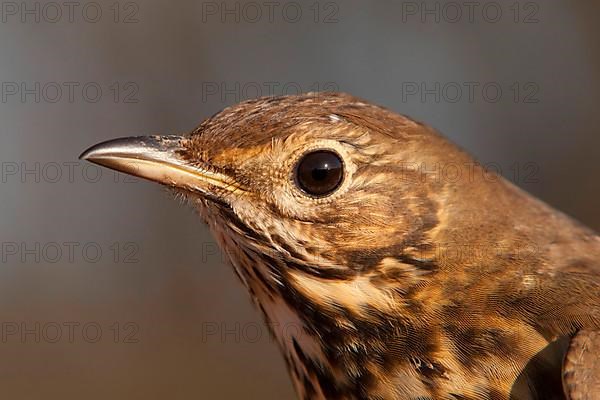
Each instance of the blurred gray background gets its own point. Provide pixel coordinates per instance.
(110, 289)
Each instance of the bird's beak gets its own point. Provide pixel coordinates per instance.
(159, 159)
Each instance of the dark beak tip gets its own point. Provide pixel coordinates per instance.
(95, 152)
(86, 154)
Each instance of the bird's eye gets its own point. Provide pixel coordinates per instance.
(319, 173)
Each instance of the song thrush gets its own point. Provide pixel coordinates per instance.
(409, 270)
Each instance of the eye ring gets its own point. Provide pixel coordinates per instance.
(319, 173)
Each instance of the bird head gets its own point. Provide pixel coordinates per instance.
(325, 182)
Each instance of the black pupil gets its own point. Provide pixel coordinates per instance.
(319, 173)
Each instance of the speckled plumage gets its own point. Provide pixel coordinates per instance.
(405, 283)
